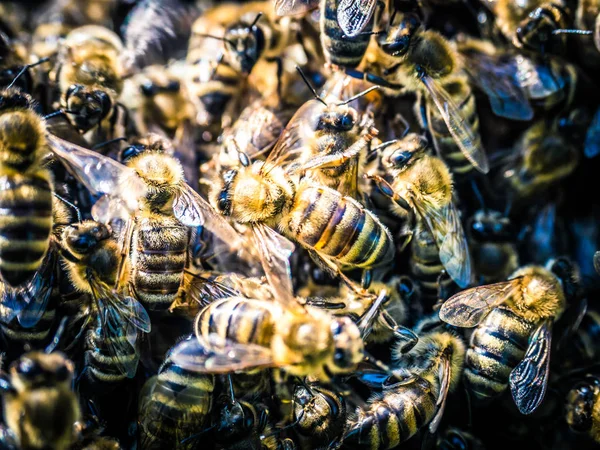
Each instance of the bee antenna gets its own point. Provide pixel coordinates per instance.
(312, 89)
(258, 16)
(384, 145)
(359, 95)
(25, 68)
(71, 205)
(365, 322)
(60, 112)
(218, 38)
(56, 339)
(567, 31)
(380, 365)
(105, 143)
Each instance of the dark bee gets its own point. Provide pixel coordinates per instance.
(582, 407)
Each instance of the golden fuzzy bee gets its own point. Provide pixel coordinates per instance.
(40, 407)
(93, 261)
(88, 75)
(423, 184)
(410, 59)
(432, 369)
(511, 342)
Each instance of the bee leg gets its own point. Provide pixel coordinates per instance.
(332, 269)
(387, 190)
(334, 160)
(371, 78)
(401, 332)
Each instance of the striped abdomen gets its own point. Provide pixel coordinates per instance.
(100, 363)
(497, 347)
(393, 418)
(36, 337)
(158, 260)
(464, 100)
(339, 227)
(176, 408)
(341, 50)
(425, 265)
(239, 320)
(25, 225)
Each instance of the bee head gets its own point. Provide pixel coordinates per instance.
(580, 401)
(491, 226)
(338, 118)
(37, 369)
(397, 40)
(535, 32)
(87, 107)
(348, 345)
(399, 155)
(152, 142)
(15, 99)
(82, 238)
(245, 42)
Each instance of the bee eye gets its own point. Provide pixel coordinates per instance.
(28, 368)
(104, 101)
(72, 90)
(399, 159)
(173, 86)
(346, 122)
(398, 47)
(131, 152)
(148, 89)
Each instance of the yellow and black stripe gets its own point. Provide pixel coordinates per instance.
(497, 346)
(25, 225)
(339, 49)
(339, 227)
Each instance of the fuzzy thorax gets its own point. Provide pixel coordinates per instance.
(539, 296)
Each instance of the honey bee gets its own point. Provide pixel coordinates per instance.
(92, 259)
(319, 415)
(345, 26)
(40, 406)
(511, 342)
(423, 184)
(582, 407)
(88, 75)
(27, 189)
(432, 369)
(409, 59)
(493, 246)
(175, 405)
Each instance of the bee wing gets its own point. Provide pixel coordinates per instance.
(498, 79)
(592, 136)
(205, 290)
(458, 125)
(449, 235)
(292, 7)
(529, 380)
(108, 208)
(537, 80)
(296, 135)
(469, 307)
(444, 380)
(192, 210)
(354, 15)
(275, 251)
(37, 293)
(216, 356)
(99, 174)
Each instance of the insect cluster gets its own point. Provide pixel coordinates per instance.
(299, 224)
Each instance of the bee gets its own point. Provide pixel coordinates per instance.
(345, 26)
(88, 75)
(582, 407)
(544, 157)
(423, 184)
(511, 342)
(409, 59)
(319, 415)
(40, 406)
(92, 259)
(455, 439)
(337, 231)
(27, 189)
(175, 405)
(432, 369)
(493, 246)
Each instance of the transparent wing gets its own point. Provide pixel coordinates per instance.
(498, 79)
(205, 289)
(529, 380)
(275, 251)
(192, 210)
(216, 356)
(37, 293)
(444, 380)
(458, 125)
(99, 174)
(108, 208)
(297, 134)
(446, 228)
(592, 137)
(537, 80)
(291, 7)
(469, 307)
(354, 15)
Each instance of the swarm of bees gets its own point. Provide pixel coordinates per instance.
(299, 224)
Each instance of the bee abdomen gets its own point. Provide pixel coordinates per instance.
(37, 336)
(237, 319)
(99, 362)
(339, 227)
(393, 419)
(158, 264)
(341, 51)
(25, 225)
(497, 347)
